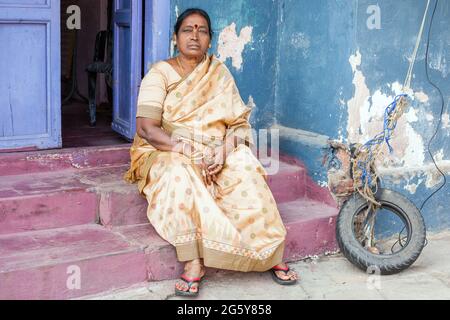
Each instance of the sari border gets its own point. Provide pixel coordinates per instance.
(174, 86)
(144, 170)
(228, 261)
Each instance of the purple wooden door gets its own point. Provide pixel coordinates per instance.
(30, 95)
(127, 64)
(157, 31)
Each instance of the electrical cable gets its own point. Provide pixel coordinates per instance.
(400, 239)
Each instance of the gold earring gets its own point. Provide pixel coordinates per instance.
(210, 45)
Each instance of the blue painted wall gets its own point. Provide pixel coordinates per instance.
(297, 69)
(315, 82)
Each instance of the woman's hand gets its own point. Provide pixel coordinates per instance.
(220, 155)
(207, 177)
(202, 160)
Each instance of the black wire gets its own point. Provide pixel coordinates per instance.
(400, 239)
(441, 114)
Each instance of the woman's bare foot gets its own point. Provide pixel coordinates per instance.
(192, 269)
(291, 275)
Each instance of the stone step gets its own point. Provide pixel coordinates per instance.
(63, 198)
(41, 264)
(17, 163)
(44, 264)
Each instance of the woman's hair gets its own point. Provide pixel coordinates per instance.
(189, 12)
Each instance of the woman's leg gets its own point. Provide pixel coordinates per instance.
(255, 203)
(291, 275)
(192, 269)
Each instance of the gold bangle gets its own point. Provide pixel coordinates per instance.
(196, 156)
(184, 151)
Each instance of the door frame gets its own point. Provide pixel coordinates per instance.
(157, 32)
(150, 39)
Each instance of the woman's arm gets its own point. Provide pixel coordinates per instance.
(150, 130)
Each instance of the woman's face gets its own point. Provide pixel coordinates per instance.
(193, 37)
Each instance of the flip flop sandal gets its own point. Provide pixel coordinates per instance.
(189, 282)
(279, 280)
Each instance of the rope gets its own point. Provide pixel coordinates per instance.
(363, 168)
(363, 161)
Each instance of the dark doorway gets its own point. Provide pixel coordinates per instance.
(77, 53)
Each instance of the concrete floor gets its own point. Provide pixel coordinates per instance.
(323, 278)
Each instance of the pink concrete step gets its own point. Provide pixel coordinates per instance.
(37, 265)
(64, 198)
(46, 200)
(51, 160)
(43, 264)
(310, 228)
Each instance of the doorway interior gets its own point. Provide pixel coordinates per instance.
(77, 53)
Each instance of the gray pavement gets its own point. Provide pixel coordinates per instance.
(329, 277)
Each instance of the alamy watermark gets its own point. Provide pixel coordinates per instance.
(374, 20)
(74, 279)
(373, 281)
(73, 22)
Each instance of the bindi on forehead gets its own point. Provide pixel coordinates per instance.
(196, 26)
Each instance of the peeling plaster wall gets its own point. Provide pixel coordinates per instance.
(336, 76)
(245, 33)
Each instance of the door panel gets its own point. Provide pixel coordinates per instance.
(30, 95)
(157, 31)
(127, 22)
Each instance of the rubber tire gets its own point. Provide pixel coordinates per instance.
(363, 259)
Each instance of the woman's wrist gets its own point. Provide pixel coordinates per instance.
(183, 148)
(228, 147)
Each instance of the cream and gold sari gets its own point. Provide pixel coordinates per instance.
(233, 224)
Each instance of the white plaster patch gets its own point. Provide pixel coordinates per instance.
(415, 151)
(299, 40)
(251, 103)
(411, 115)
(433, 179)
(365, 119)
(361, 96)
(429, 116)
(438, 62)
(230, 45)
(340, 136)
(323, 184)
(421, 96)
(412, 187)
(439, 156)
(445, 121)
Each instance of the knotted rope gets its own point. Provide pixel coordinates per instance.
(363, 161)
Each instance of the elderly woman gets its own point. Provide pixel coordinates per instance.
(207, 193)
